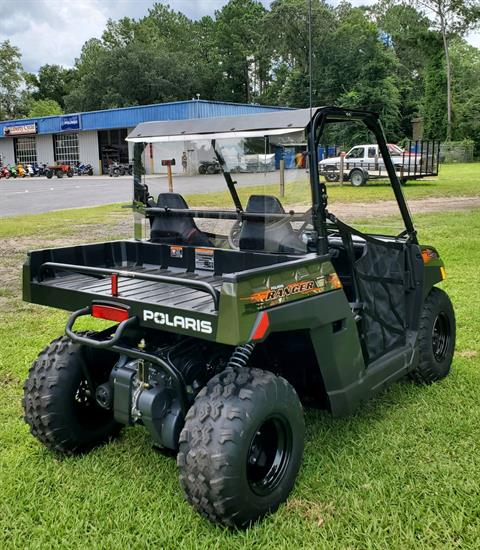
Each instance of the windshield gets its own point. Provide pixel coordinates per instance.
(264, 179)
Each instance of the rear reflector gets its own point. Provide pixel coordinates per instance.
(114, 284)
(110, 313)
(262, 326)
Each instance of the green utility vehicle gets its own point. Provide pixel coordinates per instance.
(228, 321)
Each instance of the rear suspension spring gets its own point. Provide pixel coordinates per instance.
(241, 355)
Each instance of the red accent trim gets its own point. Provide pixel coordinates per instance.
(114, 284)
(261, 326)
(110, 313)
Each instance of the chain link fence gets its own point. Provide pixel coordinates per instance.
(457, 151)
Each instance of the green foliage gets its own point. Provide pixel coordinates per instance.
(52, 82)
(44, 107)
(434, 104)
(12, 100)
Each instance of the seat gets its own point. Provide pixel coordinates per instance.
(169, 228)
(275, 236)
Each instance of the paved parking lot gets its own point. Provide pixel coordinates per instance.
(39, 195)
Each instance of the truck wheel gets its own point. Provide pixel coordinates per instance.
(436, 339)
(58, 405)
(357, 177)
(242, 446)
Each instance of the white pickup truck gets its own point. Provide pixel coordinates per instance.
(363, 161)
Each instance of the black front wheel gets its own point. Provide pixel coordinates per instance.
(59, 397)
(436, 339)
(242, 445)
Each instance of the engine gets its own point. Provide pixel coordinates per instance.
(141, 392)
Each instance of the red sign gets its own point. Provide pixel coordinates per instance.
(20, 130)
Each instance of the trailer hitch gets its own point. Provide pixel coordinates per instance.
(85, 340)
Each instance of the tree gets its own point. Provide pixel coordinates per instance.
(453, 18)
(12, 100)
(52, 82)
(413, 44)
(466, 91)
(238, 37)
(44, 107)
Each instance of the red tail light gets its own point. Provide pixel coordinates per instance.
(110, 313)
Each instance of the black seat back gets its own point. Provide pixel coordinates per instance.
(169, 228)
(275, 236)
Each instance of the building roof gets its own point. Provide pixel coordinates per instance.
(131, 116)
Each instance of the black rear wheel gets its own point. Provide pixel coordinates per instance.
(59, 397)
(436, 338)
(241, 447)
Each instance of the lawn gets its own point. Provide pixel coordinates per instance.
(403, 472)
(454, 180)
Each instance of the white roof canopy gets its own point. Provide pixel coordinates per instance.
(257, 125)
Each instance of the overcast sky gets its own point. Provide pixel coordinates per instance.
(53, 31)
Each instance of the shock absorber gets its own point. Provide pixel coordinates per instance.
(241, 355)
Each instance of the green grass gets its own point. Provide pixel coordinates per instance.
(403, 472)
(454, 180)
(61, 222)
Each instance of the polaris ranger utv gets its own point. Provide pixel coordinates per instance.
(222, 331)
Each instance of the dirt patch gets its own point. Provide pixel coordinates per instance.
(358, 210)
(312, 511)
(13, 250)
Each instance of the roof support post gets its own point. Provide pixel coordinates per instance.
(375, 126)
(319, 190)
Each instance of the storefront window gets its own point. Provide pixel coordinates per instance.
(25, 150)
(66, 148)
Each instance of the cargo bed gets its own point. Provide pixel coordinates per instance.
(133, 272)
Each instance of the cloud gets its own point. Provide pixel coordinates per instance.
(54, 31)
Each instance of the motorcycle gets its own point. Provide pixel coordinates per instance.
(40, 169)
(83, 169)
(209, 167)
(13, 170)
(115, 169)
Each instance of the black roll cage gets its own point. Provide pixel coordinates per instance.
(319, 213)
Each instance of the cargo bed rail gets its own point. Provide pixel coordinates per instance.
(101, 272)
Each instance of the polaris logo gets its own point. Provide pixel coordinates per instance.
(177, 321)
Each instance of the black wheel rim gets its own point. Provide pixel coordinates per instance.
(269, 455)
(441, 337)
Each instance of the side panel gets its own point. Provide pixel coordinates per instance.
(244, 298)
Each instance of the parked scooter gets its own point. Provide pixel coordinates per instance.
(13, 170)
(4, 172)
(21, 172)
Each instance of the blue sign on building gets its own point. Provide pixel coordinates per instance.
(70, 122)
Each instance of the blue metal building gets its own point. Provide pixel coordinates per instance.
(98, 137)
